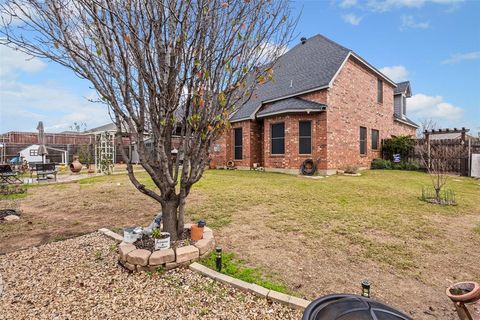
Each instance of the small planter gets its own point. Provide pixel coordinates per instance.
(465, 292)
(129, 235)
(163, 242)
(196, 231)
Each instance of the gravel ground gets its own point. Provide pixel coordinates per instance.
(79, 279)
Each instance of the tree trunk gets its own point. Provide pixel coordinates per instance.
(181, 215)
(437, 195)
(169, 213)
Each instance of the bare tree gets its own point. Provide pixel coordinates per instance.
(160, 66)
(436, 158)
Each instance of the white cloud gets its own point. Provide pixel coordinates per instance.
(352, 19)
(458, 57)
(408, 22)
(13, 61)
(347, 3)
(386, 5)
(396, 73)
(424, 106)
(23, 104)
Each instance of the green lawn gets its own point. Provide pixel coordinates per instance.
(379, 211)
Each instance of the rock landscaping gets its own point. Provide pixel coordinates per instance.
(79, 278)
(9, 215)
(140, 255)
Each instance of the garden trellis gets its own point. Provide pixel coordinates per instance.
(104, 152)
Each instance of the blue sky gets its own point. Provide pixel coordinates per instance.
(435, 44)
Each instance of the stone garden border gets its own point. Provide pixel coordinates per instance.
(288, 300)
(135, 259)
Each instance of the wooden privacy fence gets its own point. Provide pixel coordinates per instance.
(453, 155)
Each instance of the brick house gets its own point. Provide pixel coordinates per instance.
(326, 103)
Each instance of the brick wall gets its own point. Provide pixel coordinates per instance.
(352, 102)
(292, 159)
(223, 149)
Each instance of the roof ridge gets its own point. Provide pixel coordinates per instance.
(330, 40)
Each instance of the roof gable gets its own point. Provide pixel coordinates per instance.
(309, 66)
(306, 67)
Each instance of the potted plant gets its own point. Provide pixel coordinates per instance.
(162, 239)
(196, 232)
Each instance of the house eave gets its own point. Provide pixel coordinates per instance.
(407, 123)
(290, 111)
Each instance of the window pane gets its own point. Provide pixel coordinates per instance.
(278, 146)
(305, 129)
(278, 130)
(238, 143)
(305, 137)
(375, 137)
(305, 145)
(238, 153)
(379, 91)
(363, 140)
(278, 138)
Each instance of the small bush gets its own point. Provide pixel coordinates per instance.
(351, 169)
(381, 164)
(387, 164)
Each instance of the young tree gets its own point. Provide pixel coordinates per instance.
(160, 66)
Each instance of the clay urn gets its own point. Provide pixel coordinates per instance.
(464, 292)
(75, 166)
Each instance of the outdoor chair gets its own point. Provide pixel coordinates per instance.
(8, 176)
(45, 169)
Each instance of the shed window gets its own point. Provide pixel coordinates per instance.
(363, 140)
(375, 137)
(305, 137)
(278, 138)
(34, 152)
(238, 143)
(379, 91)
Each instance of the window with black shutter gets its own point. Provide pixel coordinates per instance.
(379, 91)
(278, 138)
(238, 143)
(363, 140)
(375, 137)
(305, 137)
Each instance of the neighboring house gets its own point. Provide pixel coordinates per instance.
(325, 103)
(443, 134)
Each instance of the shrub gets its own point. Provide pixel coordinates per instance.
(381, 164)
(387, 164)
(402, 145)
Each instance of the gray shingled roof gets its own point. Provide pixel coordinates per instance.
(291, 105)
(405, 119)
(304, 67)
(402, 87)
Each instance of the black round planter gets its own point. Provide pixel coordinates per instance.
(350, 307)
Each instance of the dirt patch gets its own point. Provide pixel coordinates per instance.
(57, 212)
(314, 268)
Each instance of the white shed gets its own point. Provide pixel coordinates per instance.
(30, 154)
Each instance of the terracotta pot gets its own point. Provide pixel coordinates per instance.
(196, 233)
(470, 292)
(75, 166)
